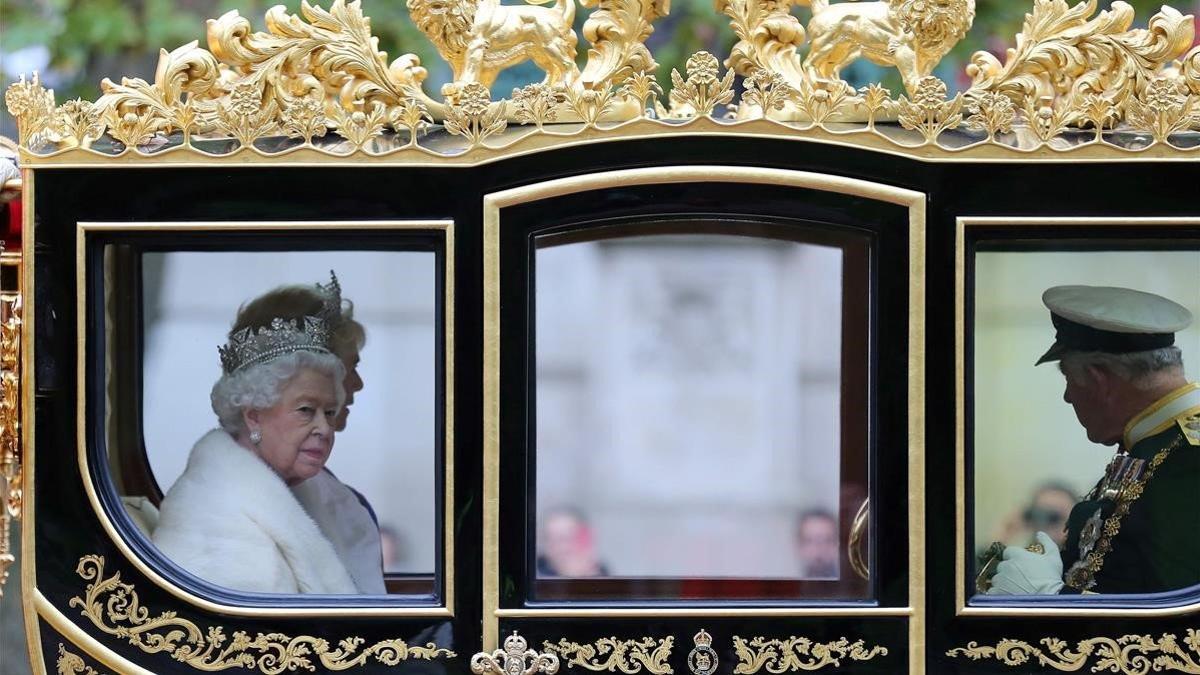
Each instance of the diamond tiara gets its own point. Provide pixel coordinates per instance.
(248, 346)
(331, 299)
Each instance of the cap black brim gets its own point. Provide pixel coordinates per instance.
(1055, 353)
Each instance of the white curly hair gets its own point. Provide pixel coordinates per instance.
(260, 386)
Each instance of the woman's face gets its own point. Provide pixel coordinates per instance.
(297, 432)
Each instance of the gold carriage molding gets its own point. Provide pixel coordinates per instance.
(316, 86)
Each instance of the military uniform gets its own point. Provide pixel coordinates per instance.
(1138, 531)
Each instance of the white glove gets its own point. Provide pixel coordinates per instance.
(1024, 572)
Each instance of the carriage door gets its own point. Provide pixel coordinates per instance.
(702, 424)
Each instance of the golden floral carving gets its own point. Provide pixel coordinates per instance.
(360, 126)
(703, 90)
(1164, 107)
(875, 100)
(72, 664)
(643, 88)
(537, 103)
(1126, 655)
(114, 608)
(78, 122)
(516, 658)
(929, 112)
(591, 104)
(610, 654)
(766, 91)
(413, 115)
(991, 113)
(245, 115)
(33, 107)
(10, 436)
(474, 116)
(798, 654)
(1061, 52)
(321, 70)
(304, 118)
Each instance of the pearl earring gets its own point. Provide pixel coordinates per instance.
(255, 436)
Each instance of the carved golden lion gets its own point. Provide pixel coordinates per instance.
(479, 38)
(912, 35)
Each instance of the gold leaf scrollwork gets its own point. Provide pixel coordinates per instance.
(10, 436)
(1061, 52)
(610, 654)
(798, 654)
(703, 90)
(114, 607)
(181, 97)
(516, 658)
(72, 664)
(617, 31)
(325, 51)
(1126, 655)
(473, 115)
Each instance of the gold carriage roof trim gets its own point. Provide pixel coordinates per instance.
(1078, 84)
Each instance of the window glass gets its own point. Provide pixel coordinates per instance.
(364, 472)
(691, 416)
(1044, 437)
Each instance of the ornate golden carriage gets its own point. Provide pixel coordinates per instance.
(305, 138)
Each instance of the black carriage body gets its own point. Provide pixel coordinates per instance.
(916, 396)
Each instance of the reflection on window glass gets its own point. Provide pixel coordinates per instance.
(689, 413)
(1085, 464)
(305, 449)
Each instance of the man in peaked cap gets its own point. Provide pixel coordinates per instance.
(1138, 530)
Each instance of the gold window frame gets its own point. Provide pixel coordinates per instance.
(493, 205)
(961, 608)
(445, 608)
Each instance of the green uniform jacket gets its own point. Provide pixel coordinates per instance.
(1158, 545)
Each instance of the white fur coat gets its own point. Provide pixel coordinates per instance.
(231, 520)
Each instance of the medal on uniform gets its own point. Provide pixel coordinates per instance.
(1090, 534)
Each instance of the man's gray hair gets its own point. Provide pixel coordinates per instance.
(1137, 368)
(260, 386)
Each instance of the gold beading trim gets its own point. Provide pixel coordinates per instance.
(10, 410)
(114, 607)
(1126, 655)
(1072, 68)
(611, 654)
(798, 654)
(69, 663)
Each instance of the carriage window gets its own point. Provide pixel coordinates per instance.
(1085, 463)
(701, 416)
(288, 414)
